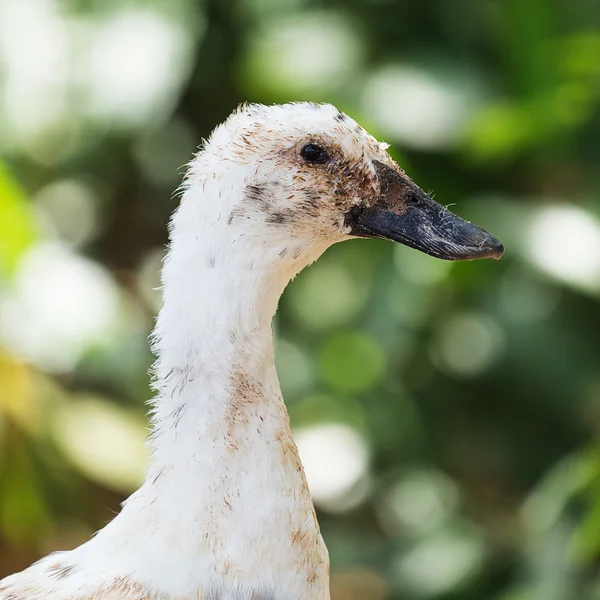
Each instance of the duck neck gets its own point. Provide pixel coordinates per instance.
(215, 371)
(225, 501)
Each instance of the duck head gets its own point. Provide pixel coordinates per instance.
(309, 176)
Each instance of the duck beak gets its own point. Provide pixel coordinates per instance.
(406, 214)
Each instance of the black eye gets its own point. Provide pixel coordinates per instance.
(314, 154)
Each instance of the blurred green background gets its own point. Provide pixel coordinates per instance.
(447, 414)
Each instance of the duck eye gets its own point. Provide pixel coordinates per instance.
(314, 154)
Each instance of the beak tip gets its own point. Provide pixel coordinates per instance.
(487, 246)
(484, 245)
(496, 249)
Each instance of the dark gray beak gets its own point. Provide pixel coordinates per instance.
(406, 214)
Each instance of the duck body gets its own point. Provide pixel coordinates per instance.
(224, 512)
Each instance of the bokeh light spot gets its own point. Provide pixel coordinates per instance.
(139, 57)
(467, 344)
(415, 106)
(564, 242)
(310, 51)
(104, 441)
(440, 563)
(59, 303)
(420, 501)
(335, 459)
(70, 208)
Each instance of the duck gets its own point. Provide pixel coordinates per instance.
(225, 512)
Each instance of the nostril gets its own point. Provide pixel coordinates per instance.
(412, 199)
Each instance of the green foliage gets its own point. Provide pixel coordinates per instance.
(451, 411)
(17, 224)
(352, 362)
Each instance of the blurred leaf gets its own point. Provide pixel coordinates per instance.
(18, 229)
(24, 516)
(352, 362)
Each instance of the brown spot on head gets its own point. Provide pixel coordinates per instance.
(280, 217)
(257, 194)
(262, 199)
(306, 165)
